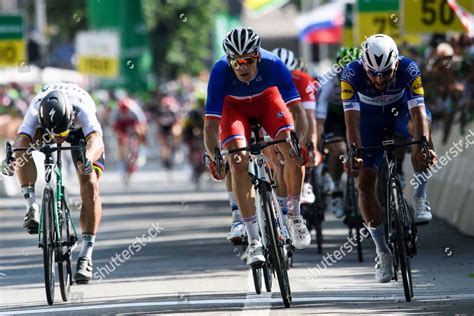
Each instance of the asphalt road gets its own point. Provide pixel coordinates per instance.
(185, 265)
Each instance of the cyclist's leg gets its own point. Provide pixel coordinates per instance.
(27, 175)
(237, 229)
(277, 121)
(91, 209)
(372, 133)
(275, 164)
(234, 131)
(406, 127)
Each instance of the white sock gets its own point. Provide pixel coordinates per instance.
(378, 236)
(294, 205)
(29, 195)
(236, 217)
(251, 226)
(88, 241)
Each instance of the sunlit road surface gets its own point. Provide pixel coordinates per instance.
(162, 249)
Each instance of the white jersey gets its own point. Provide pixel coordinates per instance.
(84, 108)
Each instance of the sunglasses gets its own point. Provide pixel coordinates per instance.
(383, 74)
(237, 62)
(61, 135)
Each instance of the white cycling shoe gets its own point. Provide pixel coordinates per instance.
(299, 232)
(307, 195)
(237, 232)
(383, 267)
(255, 253)
(422, 210)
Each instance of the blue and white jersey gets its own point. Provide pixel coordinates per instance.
(357, 93)
(272, 74)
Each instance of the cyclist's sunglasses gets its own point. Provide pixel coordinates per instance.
(237, 62)
(384, 74)
(61, 135)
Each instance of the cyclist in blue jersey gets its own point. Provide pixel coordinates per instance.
(384, 90)
(252, 83)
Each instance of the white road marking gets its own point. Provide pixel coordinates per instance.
(241, 301)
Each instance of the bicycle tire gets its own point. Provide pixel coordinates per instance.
(65, 275)
(48, 242)
(277, 257)
(257, 279)
(318, 212)
(400, 247)
(267, 276)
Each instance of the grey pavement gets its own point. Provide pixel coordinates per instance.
(185, 264)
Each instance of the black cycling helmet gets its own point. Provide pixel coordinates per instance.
(56, 112)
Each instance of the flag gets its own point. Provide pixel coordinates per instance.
(467, 19)
(322, 25)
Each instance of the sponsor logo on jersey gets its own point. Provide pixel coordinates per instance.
(417, 87)
(280, 114)
(347, 91)
(382, 99)
(413, 69)
(348, 74)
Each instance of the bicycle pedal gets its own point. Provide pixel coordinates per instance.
(32, 231)
(81, 282)
(258, 265)
(237, 242)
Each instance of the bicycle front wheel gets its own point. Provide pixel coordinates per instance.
(276, 245)
(48, 242)
(257, 279)
(64, 265)
(400, 242)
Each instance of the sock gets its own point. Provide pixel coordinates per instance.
(420, 191)
(87, 245)
(29, 195)
(378, 236)
(283, 202)
(294, 205)
(251, 226)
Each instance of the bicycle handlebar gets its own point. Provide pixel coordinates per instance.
(46, 149)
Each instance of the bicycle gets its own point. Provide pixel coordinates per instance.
(57, 234)
(401, 228)
(276, 245)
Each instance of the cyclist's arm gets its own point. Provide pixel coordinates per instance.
(95, 146)
(352, 119)
(312, 127)
(211, 136)
(419, 122)
(351, 105)
(301, 123)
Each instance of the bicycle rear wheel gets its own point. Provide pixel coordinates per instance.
(276, 245)
(65, 275)
(48, 243)
(400, 242)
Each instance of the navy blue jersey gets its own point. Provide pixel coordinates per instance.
(357, 93)
(271, 73)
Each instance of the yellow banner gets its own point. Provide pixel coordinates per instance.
(98, 66)
(369, 23)
(12, 53)
(433, 16)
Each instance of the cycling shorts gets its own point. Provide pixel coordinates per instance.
(372, 125)
(270, 111)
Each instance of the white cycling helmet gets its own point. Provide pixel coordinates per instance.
(379, 53)
(241, 41)
(287, 56)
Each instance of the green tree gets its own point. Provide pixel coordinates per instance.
(181, 34)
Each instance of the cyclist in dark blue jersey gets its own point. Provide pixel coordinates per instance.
(384, 90)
